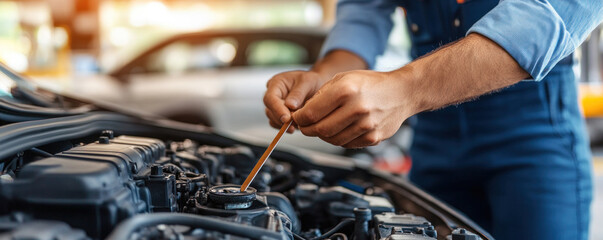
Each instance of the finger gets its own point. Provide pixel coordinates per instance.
(335, 122)
(352, 132)
(274, 101)
(291, 129)
(270, 115)
(275, 124)
(302, 90)
(327, 99)
(272, 120)
(368, 139)
(343, 137)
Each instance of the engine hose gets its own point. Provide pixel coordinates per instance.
(41, 152)
(124, 230)
(297, 237)
(341, 235)
(335, 229)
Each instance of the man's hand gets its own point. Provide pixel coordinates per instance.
(355, 109)
(288, 91)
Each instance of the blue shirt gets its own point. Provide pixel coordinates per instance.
(536, 33)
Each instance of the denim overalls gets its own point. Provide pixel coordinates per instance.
(516, 161)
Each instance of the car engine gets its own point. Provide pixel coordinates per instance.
(129, 187)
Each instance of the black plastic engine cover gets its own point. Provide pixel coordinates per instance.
(89, 187)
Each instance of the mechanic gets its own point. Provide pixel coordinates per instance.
(516, 159)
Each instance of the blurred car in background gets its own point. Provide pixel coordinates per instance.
(192, 52)
(216, 78)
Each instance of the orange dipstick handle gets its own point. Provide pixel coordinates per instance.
(265, 156)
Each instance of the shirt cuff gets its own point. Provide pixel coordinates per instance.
(530, 31)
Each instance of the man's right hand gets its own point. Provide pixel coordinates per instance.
(288, 92)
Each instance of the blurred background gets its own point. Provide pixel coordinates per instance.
(57, 37)
(207, 62)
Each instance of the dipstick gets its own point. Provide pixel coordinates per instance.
(265, 156)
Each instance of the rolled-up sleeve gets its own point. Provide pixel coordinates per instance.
(362, 27)
(539, 33)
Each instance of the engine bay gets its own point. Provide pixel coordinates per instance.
(132, 187)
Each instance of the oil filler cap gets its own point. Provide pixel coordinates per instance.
(231, 197)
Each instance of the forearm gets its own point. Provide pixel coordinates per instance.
(337, 61)
(461, 71)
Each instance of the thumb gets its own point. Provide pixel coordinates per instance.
(300, 91)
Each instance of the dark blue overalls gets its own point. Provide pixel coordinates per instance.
(515, 161)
